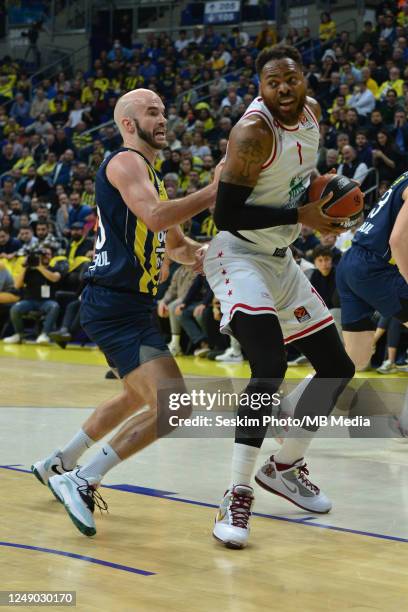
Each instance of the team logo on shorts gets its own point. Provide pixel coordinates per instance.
(301, 314)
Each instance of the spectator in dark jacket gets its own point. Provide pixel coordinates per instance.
(191, 310)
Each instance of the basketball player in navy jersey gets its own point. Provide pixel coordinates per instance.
(265, 299)
(373, 276)
(136, 224)
(373, 273)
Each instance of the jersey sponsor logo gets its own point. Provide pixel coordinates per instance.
(301, 314)
(296, 191)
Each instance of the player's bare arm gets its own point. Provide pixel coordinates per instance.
(398, 239)
(249, 147)
(128, 173)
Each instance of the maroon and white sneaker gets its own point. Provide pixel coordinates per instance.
(232, 520)
(292, 483)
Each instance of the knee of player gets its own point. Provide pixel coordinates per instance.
(269, 367)
(341, 367)
(345, 368)
(132, 399)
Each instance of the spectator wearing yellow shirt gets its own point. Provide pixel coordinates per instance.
(10, 126)
(134, 79)
(7, 82)
(208, 227)
(206, 173)
(23, 85)
(402, 17)
(60, 97)
(80, 138)
(101, 82)
(87, 94)
(327, 28)
(88, 194)
(26, 160)
(217, 62)
(394, 82)
(266, 37)
(47, 168)
(372, 85)
(184, 175)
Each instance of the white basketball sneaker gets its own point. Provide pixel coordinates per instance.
(232, 521)
(292, 483)
(51, 466)
(79, 496)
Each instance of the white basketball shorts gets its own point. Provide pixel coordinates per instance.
(246, 280)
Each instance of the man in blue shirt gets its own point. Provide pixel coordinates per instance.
(77, 211)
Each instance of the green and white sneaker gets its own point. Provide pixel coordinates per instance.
(79, 496)
(51, 466)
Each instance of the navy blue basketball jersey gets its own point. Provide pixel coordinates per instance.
(128, 255)
(374, 234)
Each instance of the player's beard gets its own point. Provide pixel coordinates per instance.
(293, 117)
(148, 137)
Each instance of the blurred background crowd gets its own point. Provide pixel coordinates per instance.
(55, 132)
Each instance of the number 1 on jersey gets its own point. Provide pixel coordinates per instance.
(299, 148)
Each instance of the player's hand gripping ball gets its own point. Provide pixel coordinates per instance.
(347, 200)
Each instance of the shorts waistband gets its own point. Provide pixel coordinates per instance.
(278, 252)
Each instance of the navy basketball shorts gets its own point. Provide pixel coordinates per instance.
(366, 284)
(122, 326)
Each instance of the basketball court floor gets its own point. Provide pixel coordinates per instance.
(154, 549)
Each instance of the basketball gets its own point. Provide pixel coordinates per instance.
(347, 200)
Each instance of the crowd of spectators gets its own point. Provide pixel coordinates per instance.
(55, 133)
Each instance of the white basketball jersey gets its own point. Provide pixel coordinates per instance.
(285, 176)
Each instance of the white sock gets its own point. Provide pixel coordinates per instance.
(290, 401)
(175, 340)
(293, 449)
(75, 448)
(243, 461)
(105, 459)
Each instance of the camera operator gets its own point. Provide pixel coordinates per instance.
(37, 282)
(32, 34)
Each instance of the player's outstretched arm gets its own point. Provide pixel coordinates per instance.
(398, 238)
(128, 173)
(181, 248)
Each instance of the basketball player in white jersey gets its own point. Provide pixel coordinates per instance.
(265, 299)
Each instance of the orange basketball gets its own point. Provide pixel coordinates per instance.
(347, 200)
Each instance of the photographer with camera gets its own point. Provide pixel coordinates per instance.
(37, 282)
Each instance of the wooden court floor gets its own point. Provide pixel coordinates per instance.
(154, 550)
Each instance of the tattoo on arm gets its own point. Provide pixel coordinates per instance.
(250, 153)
